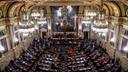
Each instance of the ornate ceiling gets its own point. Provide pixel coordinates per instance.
(11, 8)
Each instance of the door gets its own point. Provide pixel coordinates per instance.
(86, 35)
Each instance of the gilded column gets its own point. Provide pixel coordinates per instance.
(118, 33)
(118, 36)
(7, 22)
(9, 36)
(108, 34)
(80, 34)
(49, 21)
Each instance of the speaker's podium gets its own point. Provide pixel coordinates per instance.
(65, 38)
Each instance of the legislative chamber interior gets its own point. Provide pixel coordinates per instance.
(63, 35)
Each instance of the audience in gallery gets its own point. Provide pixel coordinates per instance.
(44, 55)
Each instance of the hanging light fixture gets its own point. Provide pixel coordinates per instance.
(42, 19)
(100, 20)
(89, 14)
(25, 22)
(100, 23)
(37, 16)
(90, 11)
(24, 17)
(35, 13)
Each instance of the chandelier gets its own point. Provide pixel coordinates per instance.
(24, 17)
(26, 24)
(101, 20)
(29, 22)
(37, 15)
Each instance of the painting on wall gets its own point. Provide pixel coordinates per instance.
(64, 18)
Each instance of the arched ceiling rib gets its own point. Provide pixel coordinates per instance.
(107, 11)
(13, 9)
(122, 8)
(125, 2)
(113, 8)
(116, 9)
(7, 7)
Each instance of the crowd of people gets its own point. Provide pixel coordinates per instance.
(45, 56)
(49, 61)
(91, 57)
(27, 58)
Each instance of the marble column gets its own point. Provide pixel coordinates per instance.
(108, 33)
(9, 36)
(49, 21)
(118, 36)
(8, 32)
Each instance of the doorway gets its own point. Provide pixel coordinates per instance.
(86, 34)
(43, 34)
